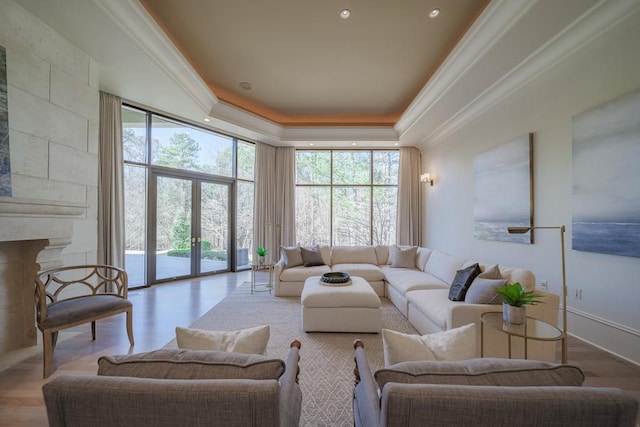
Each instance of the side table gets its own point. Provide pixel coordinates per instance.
(532, 329)
(261, 286)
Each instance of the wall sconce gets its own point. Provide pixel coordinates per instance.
(426, 177)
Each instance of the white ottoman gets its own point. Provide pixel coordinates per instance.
(352, 308)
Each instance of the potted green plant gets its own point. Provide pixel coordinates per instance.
(516, 299)
(262, 252)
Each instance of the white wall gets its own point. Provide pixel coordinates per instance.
(53, 121)
(607, 67)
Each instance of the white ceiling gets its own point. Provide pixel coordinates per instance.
(324, 92)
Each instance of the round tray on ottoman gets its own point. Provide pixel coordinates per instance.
(335, 278)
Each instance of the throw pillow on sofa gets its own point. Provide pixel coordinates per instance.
(483, 291)
(312, 257)
(292, 256)
(453, 344)
(248, 341)
(462, 281)
(491, 272)
(403, 257)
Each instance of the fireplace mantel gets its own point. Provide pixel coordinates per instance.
(33, 234)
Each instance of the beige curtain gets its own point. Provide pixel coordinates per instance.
(274, 219)
(285, 227)
(111, 183)
(409, 216)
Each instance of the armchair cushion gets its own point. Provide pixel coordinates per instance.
(251, 340)
(482, 372)
(84, 307)
(454, 344)
(191, 364)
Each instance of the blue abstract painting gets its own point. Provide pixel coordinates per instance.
(5, 164)
(606, 192)
(502, 195)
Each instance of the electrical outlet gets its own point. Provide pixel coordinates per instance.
(543, 284)
(578, 294)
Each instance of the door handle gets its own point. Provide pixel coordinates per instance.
(199, 240)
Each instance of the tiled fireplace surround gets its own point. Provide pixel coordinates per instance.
(32, 235)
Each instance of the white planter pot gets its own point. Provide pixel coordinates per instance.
(513, 314)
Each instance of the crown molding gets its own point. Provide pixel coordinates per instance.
(596, 21)
(496, 20)
(136, 22)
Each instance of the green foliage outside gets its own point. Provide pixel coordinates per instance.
(210, 255)
(181, 231)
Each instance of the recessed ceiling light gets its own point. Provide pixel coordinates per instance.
(435, 12)
(311, 143)
(345, 13)
(207, 119)
(245, 85)
(353, 143)
(396, 144)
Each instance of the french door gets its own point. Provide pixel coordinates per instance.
(191, 222)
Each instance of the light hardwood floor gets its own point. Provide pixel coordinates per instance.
(159, 309)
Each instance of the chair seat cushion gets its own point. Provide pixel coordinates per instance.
(86, 307)
(191, 364)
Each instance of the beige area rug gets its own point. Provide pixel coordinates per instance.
(326, 359)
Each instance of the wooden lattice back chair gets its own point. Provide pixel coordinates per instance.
(70, 296)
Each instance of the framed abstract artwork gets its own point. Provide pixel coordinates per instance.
(606, 189)
(5, 164)
(503, 194)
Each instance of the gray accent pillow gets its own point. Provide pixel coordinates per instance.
(191, 364)
(403, 257)
(482, 291)
(292, 256)
(487, 371)
(312, 257)
(462, 281)
(492, 272)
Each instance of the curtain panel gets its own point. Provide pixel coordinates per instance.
(111, 183)
(409, 216)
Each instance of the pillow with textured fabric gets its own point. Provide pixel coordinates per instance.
(453, 344)
(462, 281)
(483, 372)
(312, 257)
(403, 257)
(172, 363)
(483, 291)
(248, 341)
(292, 256)
(492, 272)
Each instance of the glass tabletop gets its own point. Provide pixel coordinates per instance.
(533, 328)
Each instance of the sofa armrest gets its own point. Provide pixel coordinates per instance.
(277, 271)
(290, 393)
(366, 403)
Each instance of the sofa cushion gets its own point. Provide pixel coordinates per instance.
(382, 254)
(462, 281)
(403, 257)
(487, 371)
(491, 272)
(292, 256)
(369, 272)
(312, 256)
(422, 257)
(353, 255)
(248, 341)
(300, 274)
(444, 266)
(483, 291)
(191, 364)
(525, 277)
(453, 344)
(405, 280)
(433, 303)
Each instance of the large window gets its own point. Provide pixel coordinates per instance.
(346, 197)
(188, 198)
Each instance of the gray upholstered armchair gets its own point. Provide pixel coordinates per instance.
(484, 392)
(170, 387)
(74, 295)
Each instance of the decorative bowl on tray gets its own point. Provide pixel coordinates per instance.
(335, 277)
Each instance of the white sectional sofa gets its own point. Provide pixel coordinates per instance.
(421, 292)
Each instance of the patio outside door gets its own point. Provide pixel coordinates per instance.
(192, 227)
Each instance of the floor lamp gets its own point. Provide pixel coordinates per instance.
(522, 230)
